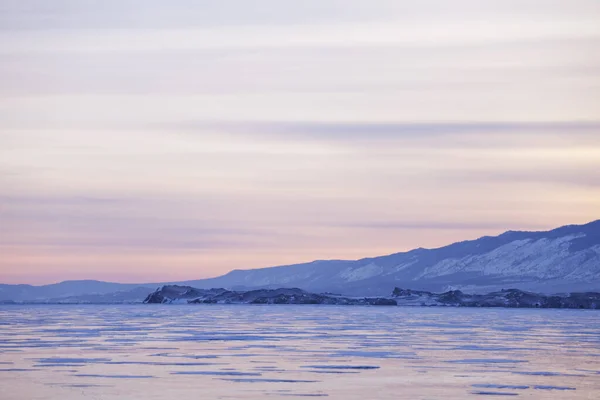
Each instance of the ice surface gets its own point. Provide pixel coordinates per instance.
(255, 352)
(71, 361)
(550, 387)
(486, 361)
(17, 369)
(341, 366)
(113, 376)
(487, 393)
(545, 373)
(217, 373)
(492, 386)
(257, 380)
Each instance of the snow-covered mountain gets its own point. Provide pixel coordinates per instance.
(565, 259)
(561, 260)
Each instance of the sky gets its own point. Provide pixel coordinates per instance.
(148, 141)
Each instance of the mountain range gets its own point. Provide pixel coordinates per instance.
(566, 259)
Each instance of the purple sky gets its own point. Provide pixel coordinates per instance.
(153, 141)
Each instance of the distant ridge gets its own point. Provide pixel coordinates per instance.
(565, 259)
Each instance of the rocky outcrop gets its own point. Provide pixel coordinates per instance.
(170, 293)
(187, 294)
(511, 298)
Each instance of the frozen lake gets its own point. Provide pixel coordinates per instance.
(257, 352)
